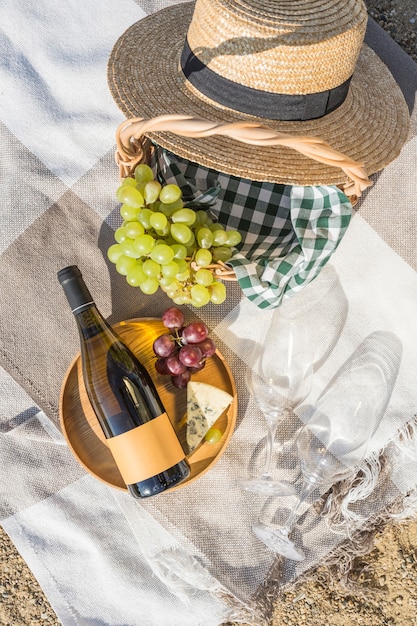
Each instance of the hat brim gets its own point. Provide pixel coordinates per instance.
(145, 80)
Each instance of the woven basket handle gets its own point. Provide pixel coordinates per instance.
(130, 149)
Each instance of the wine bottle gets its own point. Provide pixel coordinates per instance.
(123, 396)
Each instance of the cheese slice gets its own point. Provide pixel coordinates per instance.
(205, 404)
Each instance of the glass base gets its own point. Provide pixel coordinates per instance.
(267, 487)
(278, 541)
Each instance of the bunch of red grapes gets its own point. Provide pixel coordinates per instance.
(183, 350)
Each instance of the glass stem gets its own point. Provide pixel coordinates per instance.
(272, 429)
(306, 489)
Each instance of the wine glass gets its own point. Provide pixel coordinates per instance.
(336, 437)
(278, 378)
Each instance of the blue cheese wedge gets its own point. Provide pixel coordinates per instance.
(205, 404)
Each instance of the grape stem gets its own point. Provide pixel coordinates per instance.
(178, 340)
(220, 269)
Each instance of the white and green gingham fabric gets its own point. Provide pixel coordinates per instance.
(289, 232)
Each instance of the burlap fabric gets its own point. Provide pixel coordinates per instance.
(190, 557)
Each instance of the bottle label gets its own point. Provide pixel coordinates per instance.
(146, 450)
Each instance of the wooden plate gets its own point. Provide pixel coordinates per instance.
(83, 432)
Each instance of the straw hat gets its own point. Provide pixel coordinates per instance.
(295, 66)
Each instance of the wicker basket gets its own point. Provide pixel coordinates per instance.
(134, 147)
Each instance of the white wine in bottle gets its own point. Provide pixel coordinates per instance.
(139, 433)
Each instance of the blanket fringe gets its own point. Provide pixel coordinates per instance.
(335, 506)
(342, 568)
(338, 506)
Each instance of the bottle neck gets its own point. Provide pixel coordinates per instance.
(78, 296)
(86, 306)
(90, 321)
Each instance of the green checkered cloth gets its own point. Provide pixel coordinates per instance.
(289, 232)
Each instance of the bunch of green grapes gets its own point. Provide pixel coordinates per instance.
(162, 244)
